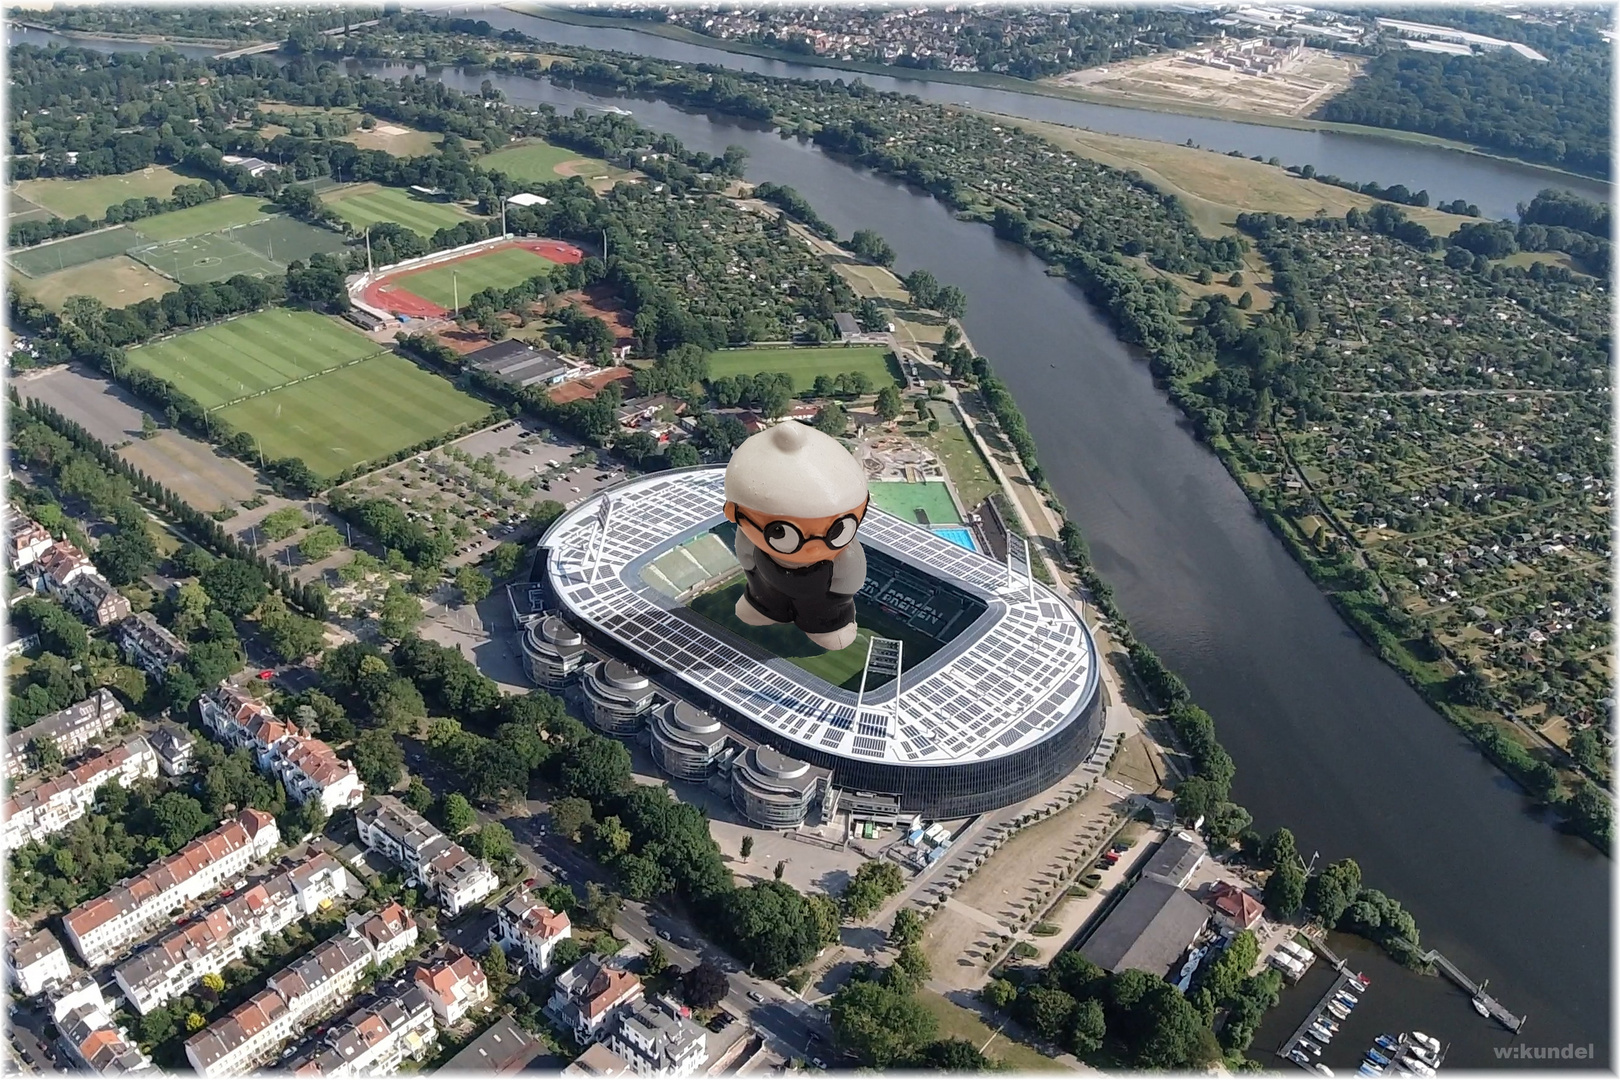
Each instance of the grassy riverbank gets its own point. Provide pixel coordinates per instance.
(992, 81)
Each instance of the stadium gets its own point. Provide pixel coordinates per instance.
(421, 288)
(997, 696)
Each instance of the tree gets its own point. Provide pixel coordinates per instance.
(1047, 1012)
(598, 769)
(47, 754)
(378, 760)
(781, 867)
(492, 843)
(497, 972)
(601, 907)
(319, 542)
(1226, 822)
(1089, 1027)
(874, 882)
(871, 247)
(953, 1055)
(657, 959)
(457, 814)
(999, 993)
(503, 562)
(177, 819)
(570, 816)
(214, 982)
(418, 796)
(1329, 893)
(195, 1022)
(914, 962)
(881, 1027)
(907, 928)
(747, 847)
(1196, 796)
(399, 614)
(889, 405)
(831, 419)
(1285, 888)
(1279, 848)
(236, 587)
(474, 586)
(704, 986)
(128, 554)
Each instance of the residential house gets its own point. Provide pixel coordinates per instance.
(102, 928)
(72, 729)
(52, 806)
(149, 646)
(221, 935)
(372, 1040)
(658, 1038)
(389, 930)
(598, 1060)
(60, 565)
(88, 1036)
(308, 767)
(1235, 909)
(37, 962)
(589, 995)
(501, 1049)
(530, 930)
(385, 824)
(26, 541)
(455, 985)
(93, 598)
(174, 747)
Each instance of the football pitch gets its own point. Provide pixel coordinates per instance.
(842, 668)
(806, 363)
(258, 352)
(70, 198)
(354, 414)
(500, 269)
(370, 204)
(204, 218)
(74, 251)
(210, 257)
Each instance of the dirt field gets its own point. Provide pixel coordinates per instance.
(117, 282)
(600, 301)
(1299, 82)
(189, 467)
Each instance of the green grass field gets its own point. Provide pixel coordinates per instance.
(535, 161)
(70, 198)
(74, 251)
(932, 497)
(370, 204)
(282, 239)
(806, 363)
(205, 218)
(20, 209)
(209, 257)
(841, 668)
(117, 281)
(500, 269)
(358, 413)
(254, 353)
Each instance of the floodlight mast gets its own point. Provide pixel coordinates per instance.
(883, 657)
(603, 518)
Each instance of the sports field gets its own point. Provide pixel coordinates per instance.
(74, 251)
(371, 203)
(117, 282)
(841, 668)
(538, 161)
(205, 218)
(209, 257)
(931, 499)
(70, 198)
(806, 363)
(255, 353)
(357, 413)
(20, 209)
(500, 269)
(281, 239)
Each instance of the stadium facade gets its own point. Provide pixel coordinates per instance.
(1006, 704)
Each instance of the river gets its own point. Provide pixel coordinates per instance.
(1327, 739)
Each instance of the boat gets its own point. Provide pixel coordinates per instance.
(1376, 1058)
(1325, 1022)
(1338, 1011)
(1417, 1066)
(1387, 1043)
(1320, 1036)
(1309, 1047)
(1481, 1008)
(1425, 1055)
(1322, 1069)
(1369, 1069)
(1429, 1042)
(1348, 998)
(1296, 1056)
(1360, 982)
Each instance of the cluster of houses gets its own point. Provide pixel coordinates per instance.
(308, 767)
(408, 840)
(61, 570)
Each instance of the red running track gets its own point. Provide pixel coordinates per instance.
(385, 295)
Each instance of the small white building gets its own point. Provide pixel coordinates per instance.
(37, 962)
(455, 985)
(26, 541)
(528, 929)
(524, 198)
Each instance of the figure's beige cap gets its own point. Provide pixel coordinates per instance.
(793, 470)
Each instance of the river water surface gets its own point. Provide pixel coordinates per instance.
(1327, 739)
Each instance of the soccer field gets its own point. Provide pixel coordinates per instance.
(118, 281)
(74, 251)
(359, 413)
(369, 204)
(254, 353)
(842, 668)
(282, 239)
(204, 218)
(209, 257)
(806, 363)
(500, 269)
(537, 161)
(70, 198)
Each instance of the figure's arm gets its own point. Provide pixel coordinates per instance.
(747, 553)
(849, 571)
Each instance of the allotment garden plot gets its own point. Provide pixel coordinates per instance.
(250, 355)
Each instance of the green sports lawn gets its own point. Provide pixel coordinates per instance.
(257, 352)
(536, 161)
(369, 205)
(205, 218)
(804, 364)
(359, 413)
(74, 251)
(841, 668)
(70, 198)
(500, 269)
(932, 497)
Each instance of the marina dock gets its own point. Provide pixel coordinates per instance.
(1340, 982)
(1495, 1008)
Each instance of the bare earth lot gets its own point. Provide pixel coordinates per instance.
(1296, 88)
(190, 468)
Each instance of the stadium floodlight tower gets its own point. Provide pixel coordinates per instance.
(1028, 570)
(603, 518)
(882, 658)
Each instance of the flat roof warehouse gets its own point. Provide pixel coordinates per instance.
(1000, 712)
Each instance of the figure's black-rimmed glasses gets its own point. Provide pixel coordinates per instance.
(784, 537)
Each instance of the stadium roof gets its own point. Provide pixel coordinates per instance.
(1019, 673)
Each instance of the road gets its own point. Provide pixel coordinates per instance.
(789, 1026)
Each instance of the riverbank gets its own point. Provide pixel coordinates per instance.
(139, 39)
(992, 81)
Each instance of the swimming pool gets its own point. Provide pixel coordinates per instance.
(958, 536)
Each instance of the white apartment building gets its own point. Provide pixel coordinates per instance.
(658, 1038)
(60, 565)
(148, 645)
(373, 1040)
(73, 729)
(36, 962)
(455, 985)
(175, 963)
(308, 767)
(54, 805)
(387, 825)
(298, 995)
(529, 930)
(89, 1037)
(102, 928)
(26, 541)
(589, 995)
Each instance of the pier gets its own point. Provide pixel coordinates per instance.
(1492, 1006)
(1340, 981)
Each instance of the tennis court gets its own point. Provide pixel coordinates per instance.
(61, 255)
(211, 257)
